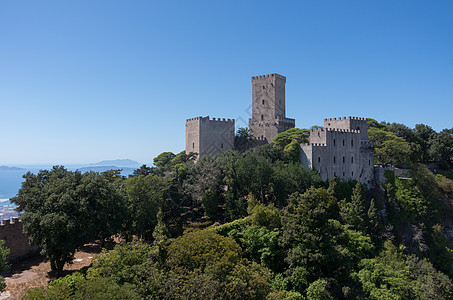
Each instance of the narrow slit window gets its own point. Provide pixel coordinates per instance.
(334, 159)
(369, 162)
(352, 143)
(352, 159)
(319, 159)
(193, 145)
(352, 174)
(262, 117)
(344, 160)
(343, 143)
(221, 146)
(334, 142)
(262, 101)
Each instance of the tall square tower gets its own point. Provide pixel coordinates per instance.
(268, 107)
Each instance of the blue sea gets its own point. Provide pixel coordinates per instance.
(11, 180)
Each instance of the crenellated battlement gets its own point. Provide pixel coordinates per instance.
(342, 130)
(209, 119)
(268, 76)
(346, 118)
(11, 231)
(12, 221)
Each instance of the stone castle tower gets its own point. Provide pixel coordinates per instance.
(268, 107)
(341, 149)
(207, 136)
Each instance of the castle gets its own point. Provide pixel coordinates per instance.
(340, 149)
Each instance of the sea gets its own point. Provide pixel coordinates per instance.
(11, 180)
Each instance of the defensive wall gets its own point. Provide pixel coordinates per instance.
(207, 136)
(340, 150)
(11, 231)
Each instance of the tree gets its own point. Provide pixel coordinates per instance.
(4, 252)
(441, 146)
(391, 275)
(62, 208)
(163, 159)
(144, 197)
(294, 134)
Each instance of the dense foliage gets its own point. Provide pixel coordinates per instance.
(252, 224)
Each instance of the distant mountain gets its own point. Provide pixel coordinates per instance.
(5, 168)
(125, 170)
(118, 163)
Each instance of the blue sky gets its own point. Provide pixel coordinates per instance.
(84, 81)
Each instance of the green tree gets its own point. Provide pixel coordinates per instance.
(4, 265)
(144, 197)
(61, 208)
(294, 134)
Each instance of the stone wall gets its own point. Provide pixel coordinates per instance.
(16, 241)
(207, 136)
(340, 152)
(269, 107)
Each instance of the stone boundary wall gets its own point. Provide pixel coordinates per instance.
(16, 241)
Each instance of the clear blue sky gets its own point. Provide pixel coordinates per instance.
(83, 81)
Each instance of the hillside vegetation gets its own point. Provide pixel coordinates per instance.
(252, 225)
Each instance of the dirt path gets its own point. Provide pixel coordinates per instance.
(35, 272)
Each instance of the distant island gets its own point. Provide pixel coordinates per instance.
(118, 163)
(6, 168)
(101, 168)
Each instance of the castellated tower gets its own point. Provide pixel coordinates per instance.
(341, 149)
(268, 107)
(209, 136)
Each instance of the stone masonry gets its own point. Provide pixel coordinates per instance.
(16, 241)
(340, 149)
(268, 107)
(209, 136)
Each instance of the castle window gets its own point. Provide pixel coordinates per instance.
(343, 160)
(352, 143)
(343, 143)
(358, 128)
(221, 146)
(319, 159)
(334, 174)
(352, 159)
(262, 101)
(264, 87)
(262, 117)
(352, 174)
(193, 145)
(334, 159)
(343, 174)
(369, 162)
(334, 142)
